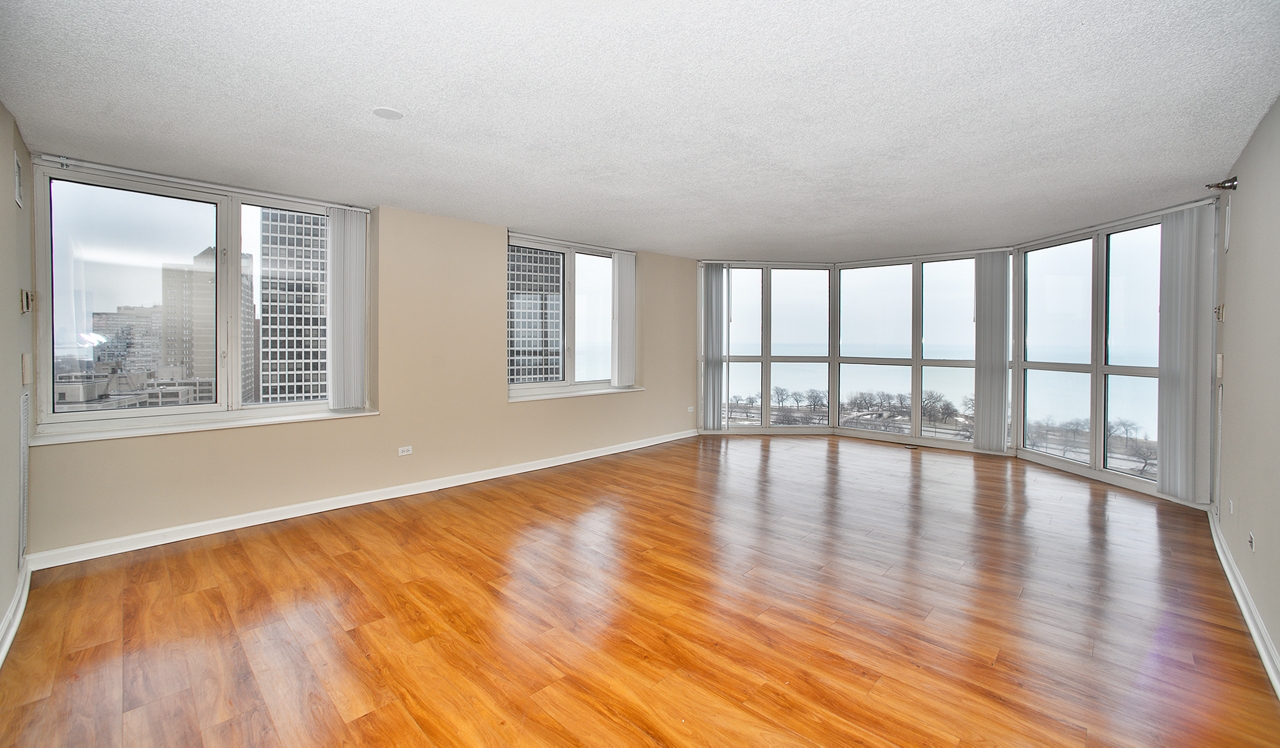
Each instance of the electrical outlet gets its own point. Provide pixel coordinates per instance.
(1231, 506)
(405, 451)
(1251, 545)
(690, 408)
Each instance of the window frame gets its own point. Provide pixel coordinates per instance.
(1098, 369)
(568, 386)
(227, 410)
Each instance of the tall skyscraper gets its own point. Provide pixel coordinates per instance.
(250, 334)
(294, 293)
(189, 328)
(131, 337)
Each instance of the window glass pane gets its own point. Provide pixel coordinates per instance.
(946, 402)
(1131, 425)
(876, 398)
(799, 393)
(875, 312)
(1133, 297)
(284, 302)
(949, 309)
(535, 315)
(799, 312)
(1059, 302)
(745, 294)
(593, 318)
(744, 393)
(1057, 414)
(134, 299)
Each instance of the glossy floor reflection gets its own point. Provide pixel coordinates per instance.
(714, 591)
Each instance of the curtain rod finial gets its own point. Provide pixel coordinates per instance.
(1226, 184)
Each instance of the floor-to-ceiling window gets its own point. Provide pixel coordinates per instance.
(903, 350)
(1091, 327)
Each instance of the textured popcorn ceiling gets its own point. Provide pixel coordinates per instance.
(805, 131)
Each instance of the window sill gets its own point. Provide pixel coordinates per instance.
(555, 393)
(178, 423)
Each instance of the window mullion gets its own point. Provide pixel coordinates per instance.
(917, 346)
(568, 301)
(1098, 384)
(766, 347)
(232, 251)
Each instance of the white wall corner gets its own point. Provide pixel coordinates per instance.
(110, 546)
(1257, 627)
(17, 606)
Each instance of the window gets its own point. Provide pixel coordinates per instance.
(1058, 335)
(135, 316)
(916, 350)
(798, 334)
(876, 323)
(1132, 350)
(570, 319)
(283, 321)
(146, 322)
(876, 397)
(1092, 358)
(744, 393)
(948, 347)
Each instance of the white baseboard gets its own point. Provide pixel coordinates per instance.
(13, 616)
(110, 546)
(1257, 628)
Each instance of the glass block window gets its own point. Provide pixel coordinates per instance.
(535, 315)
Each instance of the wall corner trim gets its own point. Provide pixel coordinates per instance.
(17, 606)
(110, 546)
(1257, 628)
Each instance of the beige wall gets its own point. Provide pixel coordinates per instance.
(1250, 283)
(15, 339)
(441, 388)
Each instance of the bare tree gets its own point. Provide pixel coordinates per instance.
(797, 397)
(1144, 453)
(1071, 431)
(780, 395)
(930, 402)
(734, 400)
(816, 399)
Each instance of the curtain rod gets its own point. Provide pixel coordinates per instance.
(64, 162)
(965, 253)
(1120, 222)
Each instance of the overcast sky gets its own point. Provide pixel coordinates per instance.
(109, 246)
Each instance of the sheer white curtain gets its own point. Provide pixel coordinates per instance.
(1187, 247)
(347, 230)
(991, 382)
(713, 345)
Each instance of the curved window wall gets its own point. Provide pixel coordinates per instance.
(890, 350)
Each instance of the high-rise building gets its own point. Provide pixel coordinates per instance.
(131, 338)
(294, 293)
(249, 334)
(189, 328)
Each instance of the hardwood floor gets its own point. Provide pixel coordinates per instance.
(714, 591)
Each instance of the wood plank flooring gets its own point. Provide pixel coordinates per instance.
(714, 591)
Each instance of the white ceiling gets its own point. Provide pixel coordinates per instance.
(730, 130)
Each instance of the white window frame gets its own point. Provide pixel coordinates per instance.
(834, 358)
(226, 411)
(624, 361)
(1097, 368)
